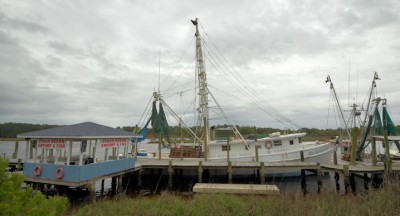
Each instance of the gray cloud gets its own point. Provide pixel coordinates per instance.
(69, 62)
(13, 23)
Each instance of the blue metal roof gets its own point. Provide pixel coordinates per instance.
(86, 130)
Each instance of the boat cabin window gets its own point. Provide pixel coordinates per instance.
(277, 142)
(225, 148)
(291, 142)
(300, 141)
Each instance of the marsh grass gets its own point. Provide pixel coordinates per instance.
(375, 202)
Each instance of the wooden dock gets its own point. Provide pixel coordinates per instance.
(251, 189)
(194, 163)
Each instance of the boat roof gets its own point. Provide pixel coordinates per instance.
(390, 138)
(85, 130)
(284, 136)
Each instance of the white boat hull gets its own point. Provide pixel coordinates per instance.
(317, 154)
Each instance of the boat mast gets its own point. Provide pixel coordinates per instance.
(328, 79)
(203, 91)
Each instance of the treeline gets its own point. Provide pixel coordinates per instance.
(247, 131)
(11, 130)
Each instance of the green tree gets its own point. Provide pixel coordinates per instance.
(17, 201)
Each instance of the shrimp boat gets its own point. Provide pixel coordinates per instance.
(205, 142)
(367, 123)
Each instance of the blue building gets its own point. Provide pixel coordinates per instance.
(77, 154)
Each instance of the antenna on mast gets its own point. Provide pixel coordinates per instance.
(159, 70)
(348, 87)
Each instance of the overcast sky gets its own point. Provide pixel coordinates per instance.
(66, 62)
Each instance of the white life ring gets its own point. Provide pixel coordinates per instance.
(268, 144)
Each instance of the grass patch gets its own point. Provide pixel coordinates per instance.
(375, 202)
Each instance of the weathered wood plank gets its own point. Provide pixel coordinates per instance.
(236, 189)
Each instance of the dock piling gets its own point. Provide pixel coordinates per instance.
(366, 182)
(31, 148)
(230, 172)
(170, 174)
(346, 174)
(119, 184)
(113, 185)
(256, 148)
(92, 191)
(302, 156)
(337, 177)
(353, 183)
(19, 165)
(15, 154)
(102, 188)
(303, 181)
(262, 173)
(200, 172)
(319, 180)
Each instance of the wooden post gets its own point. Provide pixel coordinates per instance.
(181, 149)
(95, 151)
(228, 149)
(15, 154)
(56, 159)
(346, 174)
(353, 146)
(51, 152)
(302, 156)
(113, 185)
(135, 150)
(200, 172)
(90, 148)
(28, 142)
(388, 161)
(262, 173)
(255, 134)
(69, 153)
(106, 155)
(373, 151)
(35, 154)
(159, 146)
(119, 184)
(353, 183)
(230, 170)
(139, 182)
(366, 182)
(19, 165)
(31, 149)
(45, 155)
(303, 182)
(319, 179)
(335, 155)
(303, 175)
(170, 174)
(102, 188)
(92, 190)
(256, 147)
(337, 178)
(42, 156)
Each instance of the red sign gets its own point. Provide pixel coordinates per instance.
(51, 143)
(111, 143)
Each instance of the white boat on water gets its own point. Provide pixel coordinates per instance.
(276, 147)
